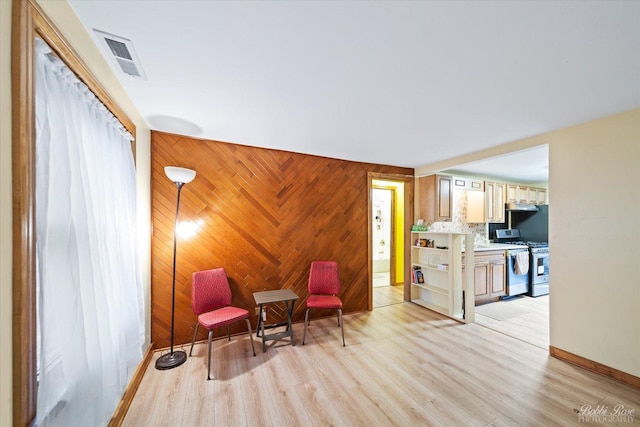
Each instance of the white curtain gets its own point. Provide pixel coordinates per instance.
(90, 312)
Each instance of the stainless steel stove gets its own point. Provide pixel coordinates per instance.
(539, 270)
(538, 274)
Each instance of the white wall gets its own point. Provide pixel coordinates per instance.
(65, 19)
(594, 235)
(5, 213)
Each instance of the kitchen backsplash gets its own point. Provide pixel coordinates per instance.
(458, 223)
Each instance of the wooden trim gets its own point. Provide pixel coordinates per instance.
(46, 29)
(29, 21)
(24, 239)
(596, 367)
(392, 240)
(130, 392)
(370, 179)
(409, 184)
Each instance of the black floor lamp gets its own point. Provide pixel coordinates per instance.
(180, 177)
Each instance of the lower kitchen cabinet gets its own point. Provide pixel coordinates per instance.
(489, 272)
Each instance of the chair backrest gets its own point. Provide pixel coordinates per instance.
(210, 290)
(323, 278)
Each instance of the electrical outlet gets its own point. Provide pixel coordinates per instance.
(264, 314)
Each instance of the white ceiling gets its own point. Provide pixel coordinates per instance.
(525, 166)
(398, 83)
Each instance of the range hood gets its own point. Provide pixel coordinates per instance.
(521, 207)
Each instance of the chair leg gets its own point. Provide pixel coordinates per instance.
(194, 338)
(209, 356)
(341, 325)
(229, 332)
(251, 337)
(306, 321)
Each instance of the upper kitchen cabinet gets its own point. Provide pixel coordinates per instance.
(476, 212)
(434, 198)
(517, 193)
(474, 193)
(524, 194)
(495, 193)
(462, 183)
(538, 196)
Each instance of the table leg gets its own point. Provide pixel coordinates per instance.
(264, 345)
(289, 314)
(259, 321)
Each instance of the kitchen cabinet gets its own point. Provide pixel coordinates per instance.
(533, 195)
(517, 193)
(463, 183)
(436, 273)
(475, 207)
(489, 272)
(512, 193)
(524, 194)
(433, 198)
(495, 193)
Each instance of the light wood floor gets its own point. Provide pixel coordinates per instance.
(403, 366)
(521, 317)
(387, 295)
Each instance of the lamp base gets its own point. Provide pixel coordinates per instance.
(171, 360)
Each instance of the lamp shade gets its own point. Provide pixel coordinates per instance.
(177, 174)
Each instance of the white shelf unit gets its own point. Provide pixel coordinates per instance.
(441, 268)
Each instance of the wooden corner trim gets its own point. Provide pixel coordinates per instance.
(596, 367)
(123, 407)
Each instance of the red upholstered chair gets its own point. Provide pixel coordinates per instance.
(324, 286)
(211, 300)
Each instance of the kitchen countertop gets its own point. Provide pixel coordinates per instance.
(495, 247)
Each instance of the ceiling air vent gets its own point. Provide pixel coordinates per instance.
(121, 51)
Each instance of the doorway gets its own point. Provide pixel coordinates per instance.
(383, 221)
(387, 242)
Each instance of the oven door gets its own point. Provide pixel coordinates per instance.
(539, 268)
(517, 284)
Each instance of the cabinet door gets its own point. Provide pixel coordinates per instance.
(495, 199)
(426, 200)
(533, 195)
(490, 203)
(433, 198)
(480, 279)
(499, 196)
(475, 207)
(542, 196)
(497, 271)
(512, 193)
(523, 194)
(444, 198)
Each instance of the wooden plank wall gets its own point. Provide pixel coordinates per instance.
(264, 215)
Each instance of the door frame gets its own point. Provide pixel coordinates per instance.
(409, 181)
(392, 235)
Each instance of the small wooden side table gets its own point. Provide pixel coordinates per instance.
(271, 297)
